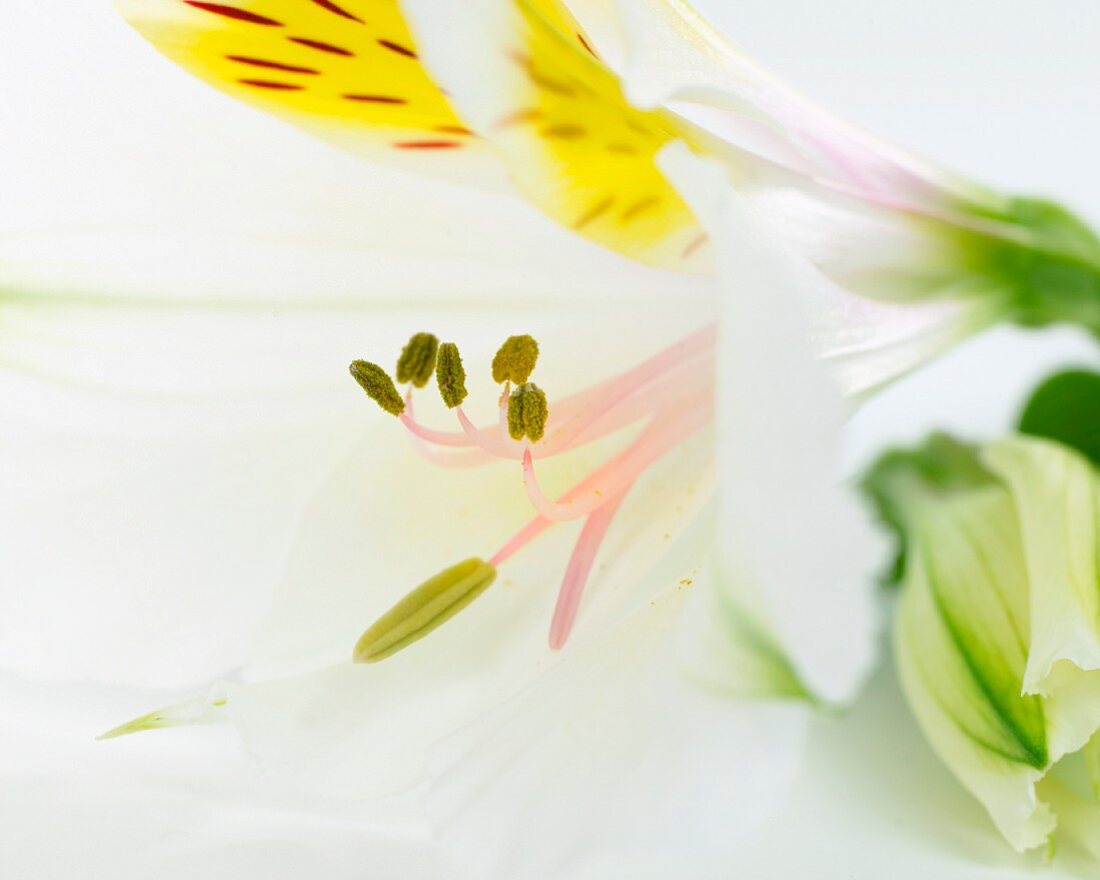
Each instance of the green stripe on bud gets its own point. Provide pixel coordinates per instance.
(527, 412)
(515, 361)
(417, 361)
(430, 605)
(378, 385)
(451, 375)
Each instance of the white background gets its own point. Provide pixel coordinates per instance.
(95, 126)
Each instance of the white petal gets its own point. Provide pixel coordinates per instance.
(385, 519)
(173, 805)
(611, 766)
(792, 536)
(867, 341)
(874, 801)
(670, 55)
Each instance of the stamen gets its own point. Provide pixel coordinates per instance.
(673, 391)
(451, 375)
(599, 410)
(417, 361)
(378, 385)
(424, 609)
(527, 413)
(515, 361)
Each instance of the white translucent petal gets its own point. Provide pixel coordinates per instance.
(170, 804)
(667, 54)
(867, 342)
(873, 800)
(171, 401)
(792, 536)
(613, 766)
(355, 732)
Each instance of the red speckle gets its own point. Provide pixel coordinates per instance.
(271, 65)
(234, 13)
(694, 245)
(336, 10)
(395, 47)
(427, 145)
(375, 99)
(268, 84)
(321, 47)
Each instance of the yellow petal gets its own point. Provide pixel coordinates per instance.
(530, 81)
(346, 69)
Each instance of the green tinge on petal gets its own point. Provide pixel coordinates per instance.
(960, 643)
(1047, 259)
(1057, 499)
(998, 626)
(728, 648)
(200, 710)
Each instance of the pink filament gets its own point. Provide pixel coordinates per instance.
(580, 566)
(664, 433)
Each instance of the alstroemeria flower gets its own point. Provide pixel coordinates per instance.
(381, 519)
(997, 636)
(606, 116)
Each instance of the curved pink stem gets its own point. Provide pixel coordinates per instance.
(579, 568)
(439, 438)
(667, 431)
(520, 539)
(489, 440)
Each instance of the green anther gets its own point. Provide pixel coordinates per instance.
(378, 385)
(527, 412)
(450, 375)
(417, 361)
(431, 604)
(515, 361)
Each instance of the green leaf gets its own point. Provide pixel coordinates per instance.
(1066, 408)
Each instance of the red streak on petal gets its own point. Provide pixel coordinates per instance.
(426, 145)
(271, 65)
(336, 10)
(395, 47)
(694, 245)
(453, 129)
(321, 47)
(375, 99)
(234, 12)
(268, 84)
